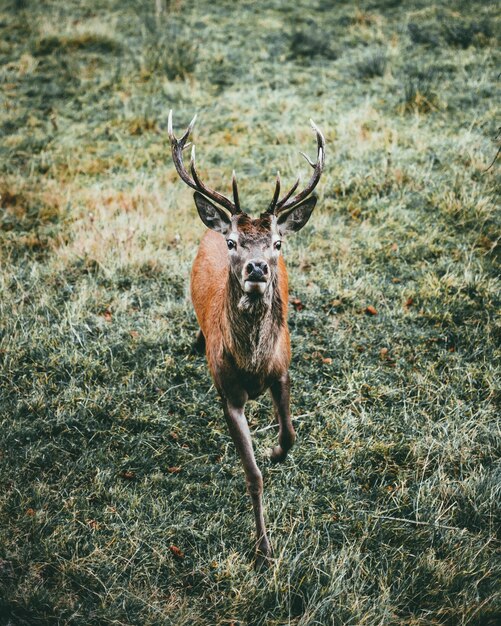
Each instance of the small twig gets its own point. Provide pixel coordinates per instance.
(294, 419)
(168, 390)
(494, 160)
(497, 153)
(417, 522)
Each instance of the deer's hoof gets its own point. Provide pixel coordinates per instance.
(277, 454)
(264, 556)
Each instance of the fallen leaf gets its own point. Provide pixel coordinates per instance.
(177, 552)
(107, 314)
(370, 310)
(30, 512)
(297, 304)
(318, 355)
(128, 475)
(175, 469)
(409, 302)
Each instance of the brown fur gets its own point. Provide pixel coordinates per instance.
(247, 225)
(239, 289)
(254, 339)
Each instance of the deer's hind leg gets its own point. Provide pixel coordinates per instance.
(199, 343)
(280, 394)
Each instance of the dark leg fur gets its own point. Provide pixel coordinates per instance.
(241, 436)
(280, 393)
(199, 343)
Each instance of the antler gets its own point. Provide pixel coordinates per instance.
(277, 206)
(194, 181)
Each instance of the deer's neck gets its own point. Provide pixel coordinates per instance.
(253, 325)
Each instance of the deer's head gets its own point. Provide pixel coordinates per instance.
(254, 245)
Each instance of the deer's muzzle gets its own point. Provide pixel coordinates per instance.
(256, 277)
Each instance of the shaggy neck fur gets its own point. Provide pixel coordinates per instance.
(254, 324)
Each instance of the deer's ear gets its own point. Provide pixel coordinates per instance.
(294, 219)
(211, 215)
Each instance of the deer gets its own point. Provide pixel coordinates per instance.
(239, 290)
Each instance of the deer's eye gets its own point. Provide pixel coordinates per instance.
(277, 245)
(231, 244)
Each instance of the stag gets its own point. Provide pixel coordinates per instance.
(239, 289)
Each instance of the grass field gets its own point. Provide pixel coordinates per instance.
(122, 500)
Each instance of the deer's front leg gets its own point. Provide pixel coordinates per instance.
(239, 430)
(280, 393)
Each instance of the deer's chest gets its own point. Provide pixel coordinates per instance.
(235, 381)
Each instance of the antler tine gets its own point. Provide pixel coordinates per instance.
(188, 131)
(291, 191)
(320, 139)
(194, 181)
(236, 199)
(307, 158)
(211, 193)
(177, 155)
(169, 127)
(276, 193)
(287, 201)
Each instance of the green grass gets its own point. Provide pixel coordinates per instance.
(113, 447)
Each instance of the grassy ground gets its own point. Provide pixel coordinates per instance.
(122, 501)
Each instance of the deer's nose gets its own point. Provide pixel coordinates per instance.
(256, 270)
